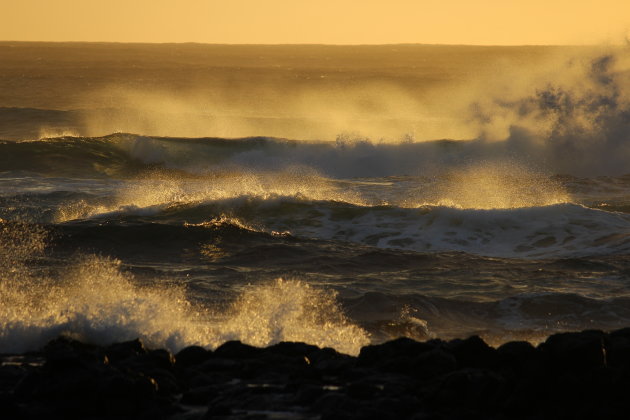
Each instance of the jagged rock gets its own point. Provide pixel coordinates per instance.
(308, 393)
(64, 352)
(237, 350)
(432, 364)
(618, 349)
(572, 375)
(121, 351)
(473, 352)
(401, 347)
(200, 395)
(191, 356)
(575, 350)
(292, 349)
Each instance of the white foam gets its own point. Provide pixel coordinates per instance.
(290, 311)
(95, 301)
(559, 230)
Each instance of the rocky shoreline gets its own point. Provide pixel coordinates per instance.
(582, 375)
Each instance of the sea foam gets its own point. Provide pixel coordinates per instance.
(95, 300)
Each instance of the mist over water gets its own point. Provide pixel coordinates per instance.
(576, 123)
(337, 196)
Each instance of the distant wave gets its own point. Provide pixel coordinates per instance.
(123, 155)
(561, 230)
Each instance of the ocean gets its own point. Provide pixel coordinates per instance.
(193, 194)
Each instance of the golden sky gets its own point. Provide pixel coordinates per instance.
(486, 22)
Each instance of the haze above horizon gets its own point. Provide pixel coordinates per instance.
(344, 22)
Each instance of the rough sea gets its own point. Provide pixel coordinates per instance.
(518, 231)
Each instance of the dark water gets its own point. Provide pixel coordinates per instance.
(185, 241)
(337, 243)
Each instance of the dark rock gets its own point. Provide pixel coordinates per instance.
(127, 385)
(10, 376)
(9, 408)
(161, 358)
(237, 350)
(575, 350)
(218, 409)
(401, 347)
(155, 364)
(191, 356)
(152, 359)
(334, 366)
(308, 393)
(200, 395)
(430, 364)
(473, 352)
(618, 349)
(190, 378)
(329, 361)
(219, 364)
(407, 357)
(571, 376)
(167, 382)
(336, 404)
(64, 352)
(121, 351)
(470, 388)
(292, 349)
(362, 390)
(517, 355)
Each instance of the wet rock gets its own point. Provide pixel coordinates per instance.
(328, 361)
(83, 391)
(401, 347)
(571, 375)
(469, 388)
(10, 376)
(220, 364)
(237, 350)
(191, 356)
(218, 409)
(518, 356)
(362, 390)
(575, 350)
(336, 405)
(9, 407)
(161, 358)
(307, 394)
(618, 349)
(432, 364)
(516, 351)
(64, 352)
(473, 352)
(121, 351)
(292, 349)
(200, 395)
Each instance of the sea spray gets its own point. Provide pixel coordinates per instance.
(520, 231)
(290, 310)
(93, 299)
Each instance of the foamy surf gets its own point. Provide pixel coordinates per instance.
(519, 231)
(93, 299)
(552, 231)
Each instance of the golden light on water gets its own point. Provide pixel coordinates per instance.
(497, 186)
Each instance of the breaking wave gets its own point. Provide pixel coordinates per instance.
(562, 230)
(94, 300)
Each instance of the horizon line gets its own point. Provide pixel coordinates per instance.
(4, 41)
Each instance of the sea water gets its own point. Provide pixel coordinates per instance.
(336, 241)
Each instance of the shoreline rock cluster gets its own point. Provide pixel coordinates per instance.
(581, 375)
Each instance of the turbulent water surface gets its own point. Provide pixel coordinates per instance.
(182, 240)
